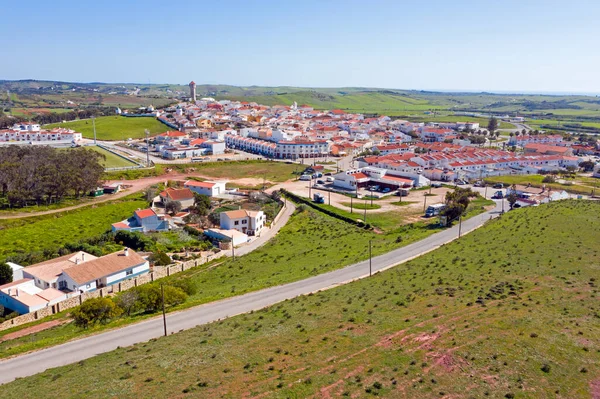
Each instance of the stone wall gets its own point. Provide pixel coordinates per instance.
(157, 273)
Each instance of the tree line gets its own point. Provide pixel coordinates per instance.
(45, 175)
(7, 121)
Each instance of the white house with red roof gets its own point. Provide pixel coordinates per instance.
(143, 220)
(432, 134)
(184, 196)
(210, 188)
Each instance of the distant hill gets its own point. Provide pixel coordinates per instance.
(394, 102)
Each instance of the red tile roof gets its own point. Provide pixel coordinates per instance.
(194, 183)
(144, 213)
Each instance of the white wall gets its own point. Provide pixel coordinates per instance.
(108, 280)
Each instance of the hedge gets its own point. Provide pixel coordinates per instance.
(308, 202)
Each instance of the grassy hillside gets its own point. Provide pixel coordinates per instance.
(50, 232)
(510, 311)
(115, 127)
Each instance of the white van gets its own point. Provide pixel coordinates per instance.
(305, 177)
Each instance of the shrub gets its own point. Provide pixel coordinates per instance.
(548, 179)
(150, 296)
(160, 259)
(545, 368)
(95, 310)
(187, 285)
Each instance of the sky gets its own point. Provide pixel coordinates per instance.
(471, 45)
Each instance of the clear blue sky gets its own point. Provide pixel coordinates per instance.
(509, 45)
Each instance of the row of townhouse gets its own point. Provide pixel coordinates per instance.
(255, 146)
(469, 164)
(523, 140)
(56, 134)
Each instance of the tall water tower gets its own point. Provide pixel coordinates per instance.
(193, 90)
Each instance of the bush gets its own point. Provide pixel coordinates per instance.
(160, 259)
(187, 285)
(95, 310)
(548, 179)
(133, 240)
(150, 297)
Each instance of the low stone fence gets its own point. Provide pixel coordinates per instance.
(157, 273)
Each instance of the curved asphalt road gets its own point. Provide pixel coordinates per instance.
(74, 351)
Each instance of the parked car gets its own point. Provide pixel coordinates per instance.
(386, 190)
(498, 185)
(497, 195)
(329, 179)
(320, 182)
(328, 174)
(478, 183)
(436, 185)
(460, 182)
(305, 177)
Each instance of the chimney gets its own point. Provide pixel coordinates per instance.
(126, 251)
(17, 292)
(76, 261)
(83, 257)
(9, 291)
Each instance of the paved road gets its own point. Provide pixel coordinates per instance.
(74, 351)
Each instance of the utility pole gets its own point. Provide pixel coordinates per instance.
(459, 225)
(370, 259)
(147, 147)
(424, 202)
(365, 217)
(94, 125)
(329, 197)
(232, 249)
(162, 291)
(351, 203)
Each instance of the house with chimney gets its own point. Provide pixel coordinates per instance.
(55, 280)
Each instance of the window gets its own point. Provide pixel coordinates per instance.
(87, 286)
(129, 272)
(244, 221)
(236, 222)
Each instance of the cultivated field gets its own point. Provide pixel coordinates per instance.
(509, 311)
(115, 127)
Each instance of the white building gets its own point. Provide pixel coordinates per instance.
(247, 222)
(210, 188)
(27, 134)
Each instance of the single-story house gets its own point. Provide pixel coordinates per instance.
(237, 237)
(210, 188)
(185, 196)
(23, 296)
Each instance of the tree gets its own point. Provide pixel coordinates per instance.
(173, 207)
(95, 310)
(128, 301)
(457, 202)
(512, 197)
(150, 296)
(492, 125)
(587, 166)
(6, 274)
(201, 204)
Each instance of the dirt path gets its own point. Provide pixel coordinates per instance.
(33, 329)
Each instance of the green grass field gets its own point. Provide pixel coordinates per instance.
(310, 243)
(112, 160)
(270, 171)
(536, 181)
(50, 232)
(500, 313)
(115, 127)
